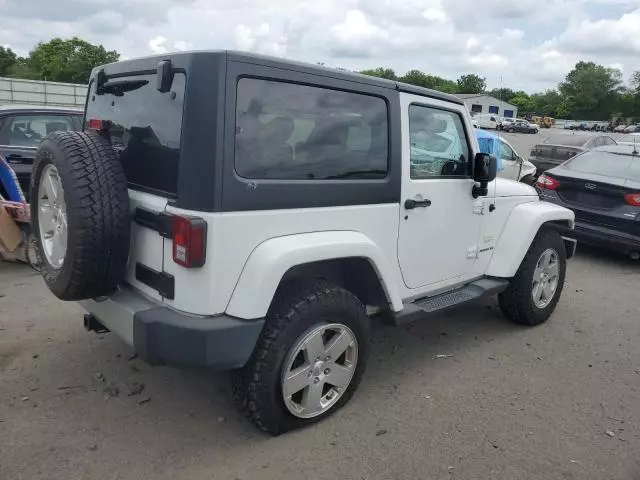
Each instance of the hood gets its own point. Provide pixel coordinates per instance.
(528, 168)
(511, 188)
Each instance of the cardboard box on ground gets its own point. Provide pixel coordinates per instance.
(10, 234)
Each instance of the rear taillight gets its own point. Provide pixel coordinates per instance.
(94, 124)
(545, 181)
(633, 199)
(189, 241)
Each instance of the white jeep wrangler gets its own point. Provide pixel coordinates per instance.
(235, 211)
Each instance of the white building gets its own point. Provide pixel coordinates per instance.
(483, 103)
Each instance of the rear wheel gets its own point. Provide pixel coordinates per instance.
(309, 359)
(534, 292)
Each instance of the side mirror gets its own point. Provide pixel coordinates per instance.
(485, 169)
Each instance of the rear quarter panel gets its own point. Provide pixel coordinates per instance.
(233, 237)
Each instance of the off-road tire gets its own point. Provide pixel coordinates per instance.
(98, 223)
(516, 301)
(297, 308)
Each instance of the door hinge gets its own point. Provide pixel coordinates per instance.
(472, 253)
(478, 209)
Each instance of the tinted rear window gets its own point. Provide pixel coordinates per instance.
(607, 164)
(299, 132)
(145, 129)
(573, 140)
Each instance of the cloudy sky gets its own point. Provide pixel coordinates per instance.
(530, 44)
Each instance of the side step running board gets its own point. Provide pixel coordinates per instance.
(485, 287)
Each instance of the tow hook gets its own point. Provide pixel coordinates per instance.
(92, 324)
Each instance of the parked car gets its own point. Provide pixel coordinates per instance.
(602, 187)
(504, 122)
(569, 125)
(317, 198)
(629, 139)
(562, 146)
(487, 120)
(522, 126)
(510, 164)
(632, 128)
(599, 126)
(620, 128)
(22, 128)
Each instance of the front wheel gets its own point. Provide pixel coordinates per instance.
(534, 292)
(309, 359)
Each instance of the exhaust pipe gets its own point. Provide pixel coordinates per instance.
(92, 324)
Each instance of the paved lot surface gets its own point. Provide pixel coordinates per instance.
(510, 403)
(560, 401)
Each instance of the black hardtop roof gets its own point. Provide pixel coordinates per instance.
(185, 60)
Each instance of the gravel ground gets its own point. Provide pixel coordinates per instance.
(556, 401)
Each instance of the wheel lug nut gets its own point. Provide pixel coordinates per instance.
(326, 371)
(316, 380)
(327, 358)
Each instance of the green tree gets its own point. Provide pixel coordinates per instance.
(591, 90)
(381, 72)
(68, 60)
(471, 83)
(8, 59)
(502, 93)
(522, 101)
(421, 79)
(546, 103)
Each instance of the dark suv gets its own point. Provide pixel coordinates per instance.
(22, 127)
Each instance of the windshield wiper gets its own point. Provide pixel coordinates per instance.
(357, 173)
(119, 87)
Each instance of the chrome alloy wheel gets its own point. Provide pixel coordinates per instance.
(52, 217)
(319, 369)
(545, 278)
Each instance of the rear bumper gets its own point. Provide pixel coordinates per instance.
(604, 237)
(163, 336)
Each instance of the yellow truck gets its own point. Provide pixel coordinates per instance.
(544, 122)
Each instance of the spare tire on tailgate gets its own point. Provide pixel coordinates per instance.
(80, 215)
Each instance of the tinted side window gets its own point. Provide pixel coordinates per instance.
(146, 126)
(438, 143)
(299, 132)
(29, 130)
